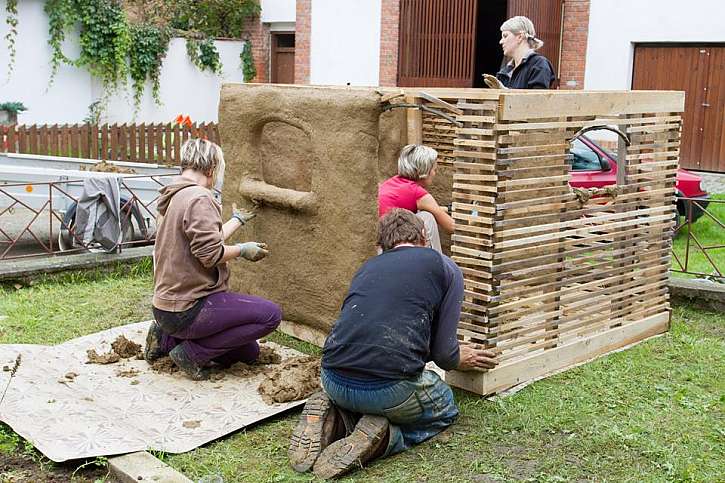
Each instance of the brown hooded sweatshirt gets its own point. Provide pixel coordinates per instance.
(189, 245)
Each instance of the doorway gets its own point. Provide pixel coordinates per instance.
(489, 57)
(700, 72)
(283, 58)
(452, 43)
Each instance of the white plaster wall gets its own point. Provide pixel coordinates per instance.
(616, 25)
(278, 10)
(184, 89)
(345, 42)
(67, 99)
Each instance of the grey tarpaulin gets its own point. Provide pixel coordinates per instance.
(98, 214)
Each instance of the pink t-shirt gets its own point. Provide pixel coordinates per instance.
(398, 192)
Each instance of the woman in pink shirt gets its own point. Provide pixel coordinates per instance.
(416, 169)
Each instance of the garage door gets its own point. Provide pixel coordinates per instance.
(699, 70)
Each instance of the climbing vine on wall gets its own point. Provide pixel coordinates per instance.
(150, 44)
(247, 59)
(11, 19)
(112, 48)
(203, 54)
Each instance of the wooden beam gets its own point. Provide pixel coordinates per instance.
(303, 332)
(441, 103)
(550, 361)
(522, 106)
(415, 123)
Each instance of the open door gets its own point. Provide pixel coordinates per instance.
(546, 16)
(437, 43)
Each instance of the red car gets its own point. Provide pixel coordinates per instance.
(593, 167)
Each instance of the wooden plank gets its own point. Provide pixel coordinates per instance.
(414, 120)
(564, 356)
(132, 143)
(142, 148)
(303, 332)
(440, 103)
(114, 142)
(521, 106)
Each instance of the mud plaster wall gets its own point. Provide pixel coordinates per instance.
(321, 153)
(442, 191)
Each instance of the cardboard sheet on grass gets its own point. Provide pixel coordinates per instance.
(98, 412)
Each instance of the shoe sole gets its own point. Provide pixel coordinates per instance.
(306, 441)
(152, 340)
(201, 375)
(352, 452)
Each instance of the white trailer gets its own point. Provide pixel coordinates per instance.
(33, 182)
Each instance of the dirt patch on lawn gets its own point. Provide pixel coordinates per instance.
(16, 468)
(294, 379)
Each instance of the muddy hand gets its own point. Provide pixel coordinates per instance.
(472, 356)
(242, 215)
(253, 251)
(493, 82)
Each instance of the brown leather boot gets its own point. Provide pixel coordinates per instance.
(368, 441)
(320, 424)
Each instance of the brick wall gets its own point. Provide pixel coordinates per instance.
(389, 26)
(303, 28)
(258, 34)
(574, 45)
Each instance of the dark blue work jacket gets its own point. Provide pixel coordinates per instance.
(534, 72)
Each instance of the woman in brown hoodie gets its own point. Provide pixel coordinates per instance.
(197, 319)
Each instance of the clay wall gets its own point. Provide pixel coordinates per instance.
(313, 159)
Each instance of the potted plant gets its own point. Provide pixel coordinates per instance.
(9, 112)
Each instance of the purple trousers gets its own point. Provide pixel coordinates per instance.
(226, 329)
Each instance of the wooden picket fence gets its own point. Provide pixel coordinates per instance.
(139, 143)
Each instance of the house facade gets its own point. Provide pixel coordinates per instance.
(593, 44)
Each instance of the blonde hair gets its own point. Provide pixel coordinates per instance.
(416, 161)
(203, 156)
(522, 25)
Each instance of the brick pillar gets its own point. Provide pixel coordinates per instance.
(574, 45)
(303, 28)
(389, 27)
(258, 34)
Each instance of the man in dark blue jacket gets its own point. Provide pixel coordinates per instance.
(401, 311)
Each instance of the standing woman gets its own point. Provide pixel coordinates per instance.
(198, 320)
(527, 69)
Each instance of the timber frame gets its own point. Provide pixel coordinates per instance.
(552, 278)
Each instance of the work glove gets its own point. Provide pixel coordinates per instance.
(242, 215)
(253, 251)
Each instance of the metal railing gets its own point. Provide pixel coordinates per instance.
(34, 217)
(698, 210)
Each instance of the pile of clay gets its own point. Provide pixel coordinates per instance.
(267, 356)
(294, 379)
(121, 348)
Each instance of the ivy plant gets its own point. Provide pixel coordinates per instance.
(11, 19)
(247, 59)
(150, 44)
(203, 54)
(14, 107)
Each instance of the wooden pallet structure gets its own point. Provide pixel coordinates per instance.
(553, 279)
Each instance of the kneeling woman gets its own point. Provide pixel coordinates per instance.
(408, 190)
(198, 321)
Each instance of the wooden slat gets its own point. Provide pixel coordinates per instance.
(523, 106)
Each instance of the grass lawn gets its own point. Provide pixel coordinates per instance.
(651, 413)
(708, 233)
